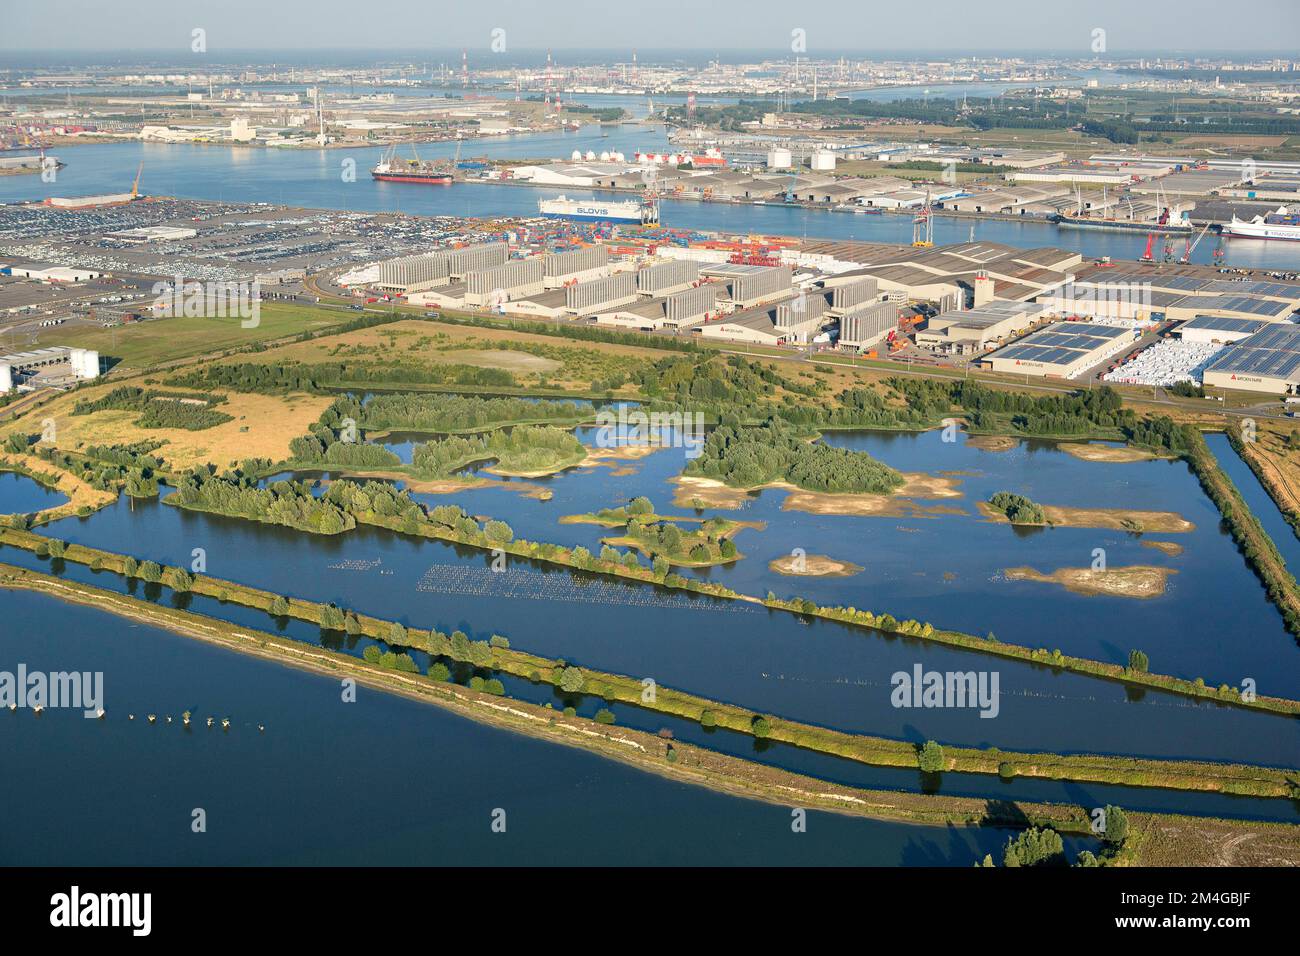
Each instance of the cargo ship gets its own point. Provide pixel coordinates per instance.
(1177, 226)
(594, 210)
(389, 169)
(1276, 225)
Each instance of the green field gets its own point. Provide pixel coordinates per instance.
(153, 341)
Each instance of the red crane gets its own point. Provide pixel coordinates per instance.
(1151, 236)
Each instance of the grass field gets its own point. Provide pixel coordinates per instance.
(535, 360)
(161, 340)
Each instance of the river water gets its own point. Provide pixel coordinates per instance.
(383, 780)
(315, 178)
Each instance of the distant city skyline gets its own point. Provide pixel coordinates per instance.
(830, 27)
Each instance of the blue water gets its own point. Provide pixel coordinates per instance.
(21, 495)
(382, 780)
(314, 178)
(818, 672)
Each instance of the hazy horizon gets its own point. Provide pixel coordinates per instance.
(762, 27)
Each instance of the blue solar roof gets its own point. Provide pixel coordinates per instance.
(1272, 352)
(1223, 323)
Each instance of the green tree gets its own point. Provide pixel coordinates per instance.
(571, 680)
(1116, 825)
(930, 757)
(1034, 847)
(151, 572)
(1137, 661)
(439, 671)
(331, 618)
(761, 726)
(279, 607)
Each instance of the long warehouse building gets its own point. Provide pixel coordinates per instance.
(1268, 361)
(598, 294)
(1062, 350)
(666, 277)
(510, 280)
(867, 325)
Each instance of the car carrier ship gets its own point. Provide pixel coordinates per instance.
(595, 210)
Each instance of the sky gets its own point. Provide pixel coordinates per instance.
(1181, 26)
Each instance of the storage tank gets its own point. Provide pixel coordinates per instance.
(778, 158)
(823, 160)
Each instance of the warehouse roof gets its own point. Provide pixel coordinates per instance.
(1234, 303)
(1272, 352)
(1222, 323)
(1062, 343)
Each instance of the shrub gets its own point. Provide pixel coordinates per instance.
(930, 757)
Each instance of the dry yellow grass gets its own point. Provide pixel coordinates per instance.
(271, 422)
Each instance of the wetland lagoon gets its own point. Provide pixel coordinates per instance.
(940, 560)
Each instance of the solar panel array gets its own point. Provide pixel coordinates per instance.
(1278, 290)
(1272, 352)
(1222, 323)
(1157, 280)
(1234, 303)
(1063, 343)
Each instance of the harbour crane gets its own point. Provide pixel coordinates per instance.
(1192, 244)
(135, 186)
(923, 226)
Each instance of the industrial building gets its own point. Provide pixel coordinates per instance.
(691, 306)
(576, 265)
(963, 332)
(585, 298)
(680, 310)
(1268, 361)
(1213, 328)
(751, 285)
(867, 324)
(666, 277)
(485, 255)
(853, 295)
(414, 273)
(511, 280)
(432, 270)
(144, 234)
(1062, 350)
(46, 273)
(801, 318)
(55, 366)
(1230, 306)
(795, 321)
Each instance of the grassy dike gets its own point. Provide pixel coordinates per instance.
(563, 557)
(1258, 548)
(1265, 479)
(1235, 779)
(1152, 836)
